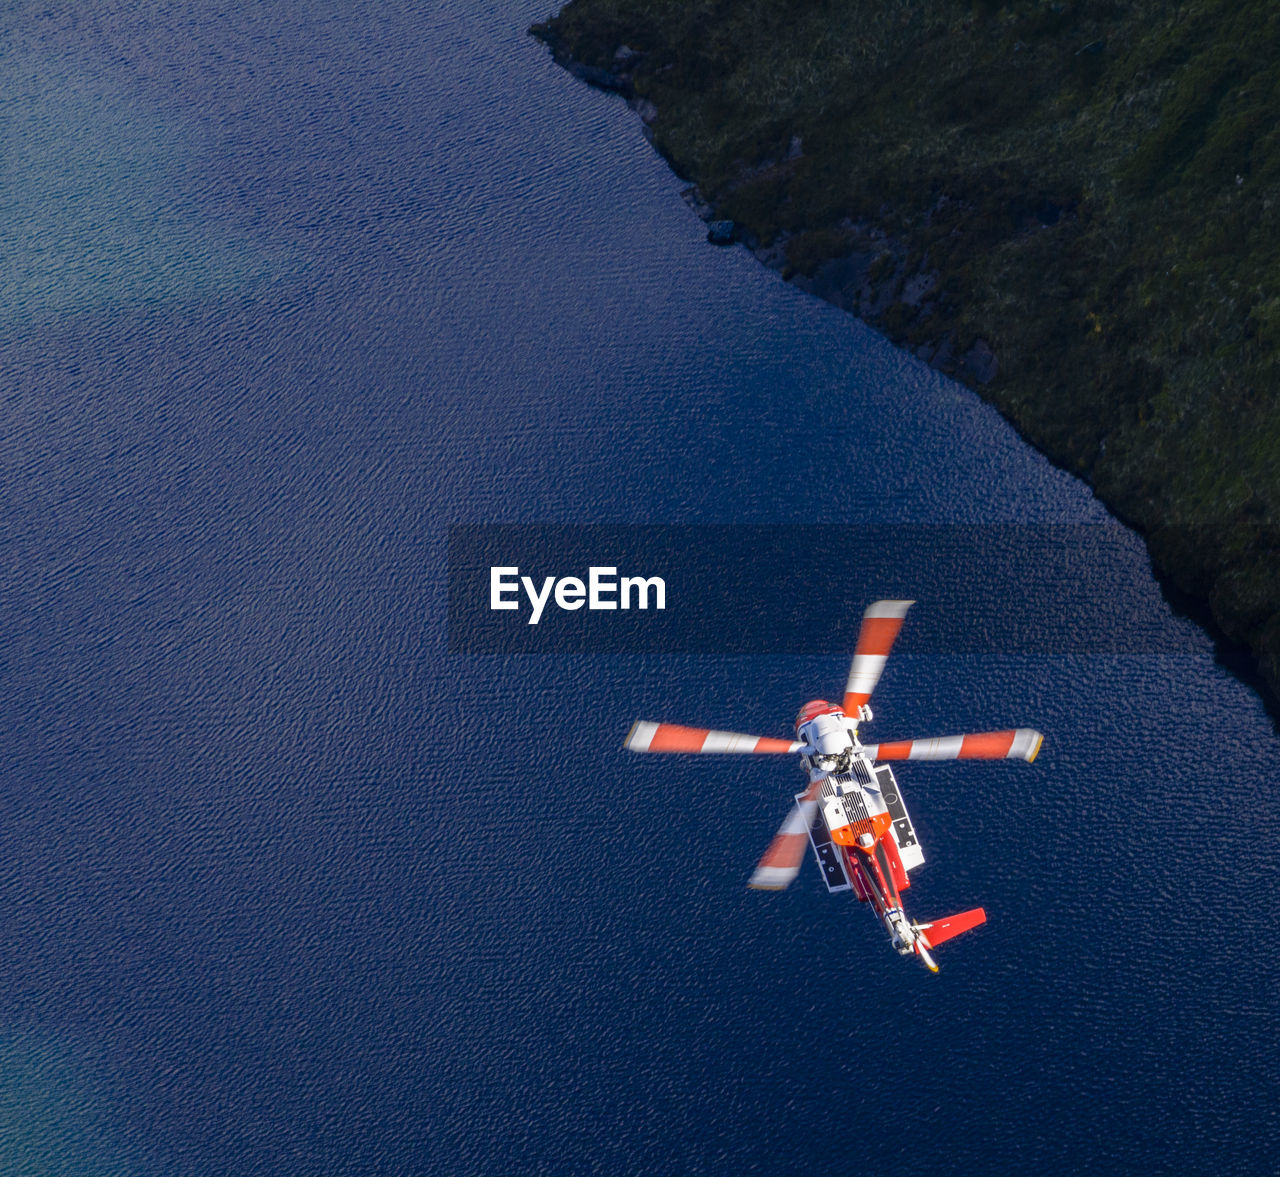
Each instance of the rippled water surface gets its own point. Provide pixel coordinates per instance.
(287, 887)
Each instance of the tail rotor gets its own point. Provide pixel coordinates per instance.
(930, 935)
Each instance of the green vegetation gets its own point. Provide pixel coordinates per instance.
(1094, 188)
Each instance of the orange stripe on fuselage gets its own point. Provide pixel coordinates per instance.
(901, 881)
(877, 826)
(864, 865)
(988, 745)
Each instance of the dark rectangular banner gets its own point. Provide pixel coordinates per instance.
(516, 589)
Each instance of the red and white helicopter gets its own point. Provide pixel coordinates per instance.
(852, 813)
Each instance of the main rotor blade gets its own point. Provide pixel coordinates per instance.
(880, 625)
(781, 862)
(670, 737)
(1021, 744)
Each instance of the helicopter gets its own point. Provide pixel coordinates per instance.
(852, 814)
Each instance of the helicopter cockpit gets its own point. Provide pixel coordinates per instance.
(830, 739)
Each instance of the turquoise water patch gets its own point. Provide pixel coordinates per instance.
(105, 200)
(53, 1123)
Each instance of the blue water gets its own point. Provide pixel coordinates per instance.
(287, 887)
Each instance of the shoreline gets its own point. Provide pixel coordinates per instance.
(884, 280)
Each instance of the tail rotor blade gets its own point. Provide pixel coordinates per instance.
(1021, 744)
(880, 625)
(781, 862)
(670, 737)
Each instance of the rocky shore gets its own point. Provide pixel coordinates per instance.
(1035, 285)
(876, 276)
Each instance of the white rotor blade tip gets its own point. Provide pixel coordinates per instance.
(888, 609)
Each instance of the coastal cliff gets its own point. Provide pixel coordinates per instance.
(1072, 207)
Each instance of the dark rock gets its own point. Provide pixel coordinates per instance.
(843, 281)
(944, 358)
(696, 201)
(720, 232)
(602, 79)
(915, 288)
(980, 362)
(625, 58)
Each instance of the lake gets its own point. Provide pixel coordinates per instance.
(293, 883)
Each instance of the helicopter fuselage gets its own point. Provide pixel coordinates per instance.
(864, 841)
